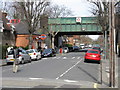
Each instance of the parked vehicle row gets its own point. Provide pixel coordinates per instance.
(24, 56)
(33, 54)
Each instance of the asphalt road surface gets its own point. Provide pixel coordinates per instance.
(66, 70)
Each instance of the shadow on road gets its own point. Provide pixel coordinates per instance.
(88, 74)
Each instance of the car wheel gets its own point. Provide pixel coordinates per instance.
(8, 63)
(22, 62)
(18, 62)
(37, 58)
(85, 60)
(99, 62)
(30, 60)
(40, 57)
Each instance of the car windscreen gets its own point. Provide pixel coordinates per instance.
(97, 49)
(11, 52)
(75, 47)
(35, 50)
(65, 48)
(30, 51)
(90, 51)
(47, 51)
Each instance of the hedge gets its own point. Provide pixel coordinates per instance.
(68, 45)
(3, 50)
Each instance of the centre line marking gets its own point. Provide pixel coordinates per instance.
(69, 69)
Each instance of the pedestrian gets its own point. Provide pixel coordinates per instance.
(16, 62)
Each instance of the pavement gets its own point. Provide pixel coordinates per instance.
(106, 72)
(2, 62)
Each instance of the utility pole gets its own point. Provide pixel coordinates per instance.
(112, 44)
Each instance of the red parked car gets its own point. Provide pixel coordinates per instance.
(93, 55)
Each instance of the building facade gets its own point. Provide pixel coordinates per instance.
(8, 33)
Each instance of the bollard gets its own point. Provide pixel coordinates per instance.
(60, 50)
(15, 68)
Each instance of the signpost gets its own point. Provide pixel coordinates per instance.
(78, 19)
(43, 36)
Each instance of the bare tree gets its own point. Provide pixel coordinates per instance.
(55, 11)
(7, 7)
(101, 12)
(31, 12)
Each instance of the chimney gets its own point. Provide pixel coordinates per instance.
(4, 14)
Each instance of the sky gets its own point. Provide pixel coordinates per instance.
(80, 8)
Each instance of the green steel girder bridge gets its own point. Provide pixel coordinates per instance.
(75, 26)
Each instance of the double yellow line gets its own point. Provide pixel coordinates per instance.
(95, 85)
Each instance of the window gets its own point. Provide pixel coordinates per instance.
(90, 51)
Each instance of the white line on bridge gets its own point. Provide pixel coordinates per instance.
(68, 69)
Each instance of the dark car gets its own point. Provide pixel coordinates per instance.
(76, 48)
(70, 49)
(85, 49)
(48, 52)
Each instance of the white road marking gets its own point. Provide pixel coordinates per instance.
(54, 57)
(70, 81)
(35, 78)
(73, 57)
(69, 69)
(64, 57)
(78, 57)
(45, 58)
(58, 58)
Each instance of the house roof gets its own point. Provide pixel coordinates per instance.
(21, 28)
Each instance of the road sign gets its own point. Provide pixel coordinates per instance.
(78, 19)
(43, 36)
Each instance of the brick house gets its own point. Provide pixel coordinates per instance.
(22, 35)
